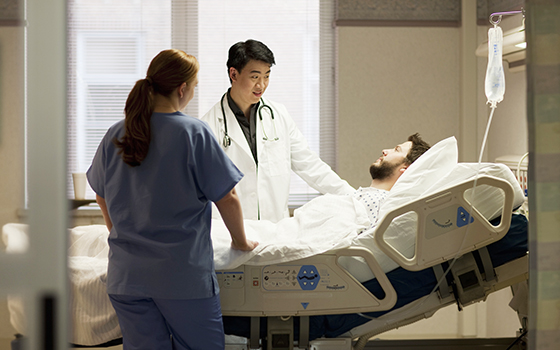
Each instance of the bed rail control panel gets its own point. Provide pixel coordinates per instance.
(276, 278)
(300, 278)
(300, 288)
(447, 224)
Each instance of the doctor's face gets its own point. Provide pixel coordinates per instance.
(248, 86)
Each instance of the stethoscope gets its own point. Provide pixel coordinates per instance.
(227, 140)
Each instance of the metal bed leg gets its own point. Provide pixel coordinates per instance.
(487, 264)
(303, 332)
(255, 333)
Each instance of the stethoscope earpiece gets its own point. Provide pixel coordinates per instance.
(227, 140)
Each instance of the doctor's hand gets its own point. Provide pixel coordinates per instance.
(247, 247)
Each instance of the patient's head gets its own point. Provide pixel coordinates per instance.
(418, 148)
(393, 162)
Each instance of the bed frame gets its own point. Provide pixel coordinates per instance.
(448, 228)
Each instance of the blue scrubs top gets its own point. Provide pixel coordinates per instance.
(160, 244)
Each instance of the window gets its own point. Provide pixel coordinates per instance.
(113, 41)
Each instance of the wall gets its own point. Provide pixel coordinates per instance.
(393, 82)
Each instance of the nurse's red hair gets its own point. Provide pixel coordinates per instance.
(167, 71)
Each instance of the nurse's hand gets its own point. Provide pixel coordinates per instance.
(247, 247)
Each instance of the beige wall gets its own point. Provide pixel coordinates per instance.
(393, 82)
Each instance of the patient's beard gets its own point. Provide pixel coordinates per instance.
(382, 170)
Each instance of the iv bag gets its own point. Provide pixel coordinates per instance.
(495, 83)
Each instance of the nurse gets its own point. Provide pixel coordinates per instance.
(262, 139)
(154, 175)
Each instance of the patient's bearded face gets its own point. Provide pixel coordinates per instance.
(382, 169)
(390, 161)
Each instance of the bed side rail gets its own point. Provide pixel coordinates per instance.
(443, 219)
(311, 286)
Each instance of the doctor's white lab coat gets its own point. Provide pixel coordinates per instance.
(264, 189)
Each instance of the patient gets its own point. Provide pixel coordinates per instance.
(385, 172)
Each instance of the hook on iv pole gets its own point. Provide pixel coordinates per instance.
(500, 14)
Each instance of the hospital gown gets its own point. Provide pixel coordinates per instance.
(371, 198)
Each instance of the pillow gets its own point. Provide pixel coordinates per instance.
(422, 175)
(489, 200)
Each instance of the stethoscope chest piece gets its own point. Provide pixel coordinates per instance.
(226, 141)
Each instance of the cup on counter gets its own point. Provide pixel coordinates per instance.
(80, 181)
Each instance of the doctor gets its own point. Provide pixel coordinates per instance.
(263, 140)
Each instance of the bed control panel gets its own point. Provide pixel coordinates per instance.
(447, 220)
(300, 278)
(230, 279)
(294, 288)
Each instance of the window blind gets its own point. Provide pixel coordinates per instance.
(111, 43)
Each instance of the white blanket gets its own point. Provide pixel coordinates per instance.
(327, 222)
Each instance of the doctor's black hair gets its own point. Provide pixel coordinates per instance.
(242, 52)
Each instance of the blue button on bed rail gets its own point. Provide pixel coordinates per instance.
(308, 277)
(463, 217)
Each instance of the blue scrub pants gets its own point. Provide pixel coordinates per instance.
(165, 324)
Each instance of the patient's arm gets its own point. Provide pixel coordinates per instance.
(230, 209)
(103, 206)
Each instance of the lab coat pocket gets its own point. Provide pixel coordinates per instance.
(276, 160)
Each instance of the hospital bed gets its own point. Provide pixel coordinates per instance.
(324, 289)
(487, 260)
